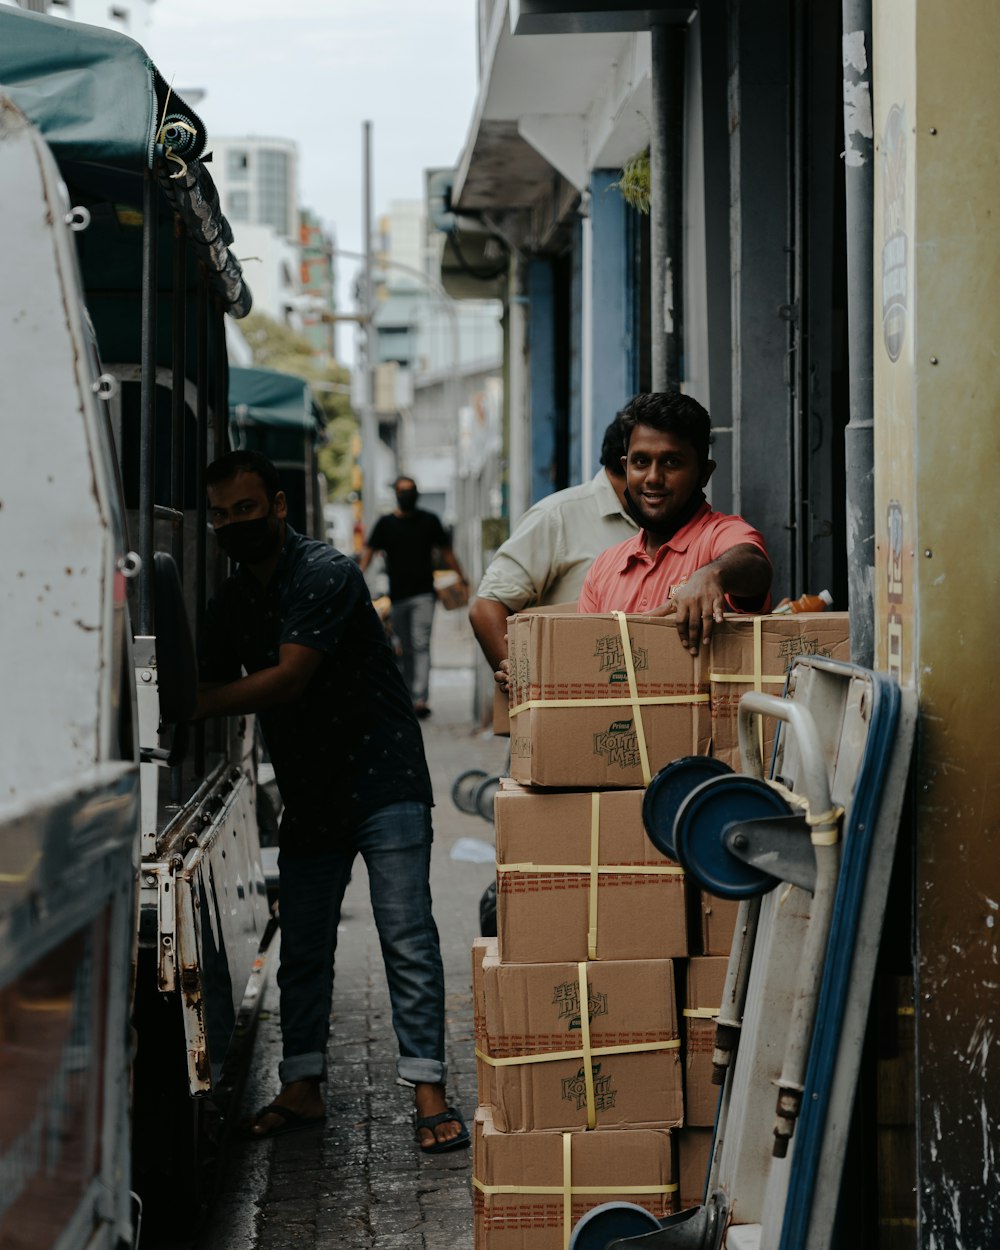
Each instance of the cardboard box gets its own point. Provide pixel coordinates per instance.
(501, 713)
(538, 1039)
(561, 894)
(575, 719)
(482, 948)
(706, 979)
(718, 923)
(451, 591)
(693, 1148)
(639, 1160)
(756, 652)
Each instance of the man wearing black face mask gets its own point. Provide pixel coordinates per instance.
(408, 538)
(349, 761)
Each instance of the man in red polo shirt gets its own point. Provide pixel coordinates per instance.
(687, 560)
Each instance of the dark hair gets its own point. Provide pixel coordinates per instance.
(404, 477)
(226, 468)
(613, 447)
(670, 412)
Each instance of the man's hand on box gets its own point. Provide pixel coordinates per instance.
(697, 606)
(502, 676)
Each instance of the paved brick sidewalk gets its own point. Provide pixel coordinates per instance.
(359, 1182)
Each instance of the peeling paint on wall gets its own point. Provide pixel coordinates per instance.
(858, 127)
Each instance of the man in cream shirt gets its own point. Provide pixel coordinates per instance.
(546, 558)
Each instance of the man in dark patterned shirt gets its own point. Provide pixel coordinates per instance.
(349, 761)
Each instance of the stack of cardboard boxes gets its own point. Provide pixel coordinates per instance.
(594, 1006)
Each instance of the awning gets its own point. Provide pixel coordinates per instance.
(107, 114)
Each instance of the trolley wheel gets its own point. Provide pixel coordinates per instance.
(463, 790)
(700, 833)
(668, 790)
(609, 1222)
(485, 794)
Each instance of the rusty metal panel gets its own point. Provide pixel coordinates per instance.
(937, 437)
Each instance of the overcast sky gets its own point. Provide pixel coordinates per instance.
(313, 71)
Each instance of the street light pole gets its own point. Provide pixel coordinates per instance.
(369, 428)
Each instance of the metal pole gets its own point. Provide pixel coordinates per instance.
(859, 176)
(666, 152)
(587, 340)
(369, 428)
(201, 501)
(147, 405)
(178, 407)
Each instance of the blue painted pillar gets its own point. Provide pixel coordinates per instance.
(542, 375)
(614, 353)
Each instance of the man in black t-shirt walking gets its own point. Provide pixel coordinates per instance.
(408, 538)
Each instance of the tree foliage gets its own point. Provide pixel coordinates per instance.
(277, 346)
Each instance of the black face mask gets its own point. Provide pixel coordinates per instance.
(406, 500)
(677, 522)
(249, 542)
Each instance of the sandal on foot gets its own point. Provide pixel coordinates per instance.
(292, 1121)
(431, 1122)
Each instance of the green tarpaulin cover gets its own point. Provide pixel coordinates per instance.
(94, 94)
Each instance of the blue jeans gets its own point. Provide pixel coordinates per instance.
(411, 623)
(395, 843)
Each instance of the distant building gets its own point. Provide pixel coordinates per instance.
(131, 17)
(318, 284)
(285, 252)
(437, 364)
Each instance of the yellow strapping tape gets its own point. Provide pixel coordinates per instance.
(510, 1190)
(621, 869)
(551, 1056)
(567, 1153)
(595, 847)
(588, 1067)
(758, 665)
(633, 689)
(824, 825)
(702, 1013)
(567, 1189)
(644, 700)
(746, 679)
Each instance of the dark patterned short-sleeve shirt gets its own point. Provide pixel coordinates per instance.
(351, 743)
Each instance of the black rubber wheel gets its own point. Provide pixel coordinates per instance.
(611, 1221)
(485, 794)
(463, 790)
(668, 790)
(488, 911)
(700, 834)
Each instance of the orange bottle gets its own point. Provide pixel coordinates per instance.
(805, 603)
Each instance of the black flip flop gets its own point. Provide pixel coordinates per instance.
(431, 1122)
(293, 1121)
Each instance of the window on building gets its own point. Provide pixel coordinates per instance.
(274, 206)
(239, 205)
(237, 164)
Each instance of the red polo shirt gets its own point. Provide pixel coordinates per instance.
(625, 579)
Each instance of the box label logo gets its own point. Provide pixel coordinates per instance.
(789, 648)
(567, 999)
(619, 745)
(574, 1089)
(611, 654)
